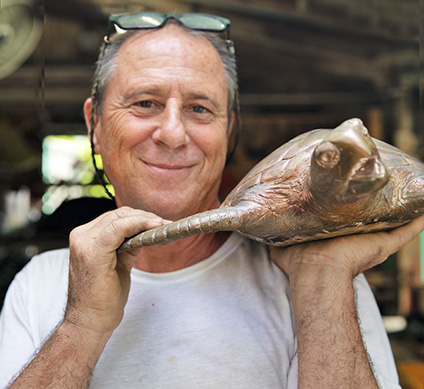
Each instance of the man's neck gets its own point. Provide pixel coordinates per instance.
(179, 254)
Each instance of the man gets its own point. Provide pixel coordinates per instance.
(208, 311)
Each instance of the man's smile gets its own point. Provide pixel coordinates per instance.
(164, 166)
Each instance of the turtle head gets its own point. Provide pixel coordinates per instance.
(346, 163)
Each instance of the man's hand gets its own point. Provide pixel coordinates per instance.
(331, 352)
(353, 254)
(99, 279)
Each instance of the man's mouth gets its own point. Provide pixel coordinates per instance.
(167, 166)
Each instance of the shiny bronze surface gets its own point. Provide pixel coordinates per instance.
(321, 184)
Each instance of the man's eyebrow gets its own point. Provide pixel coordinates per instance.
(133, 94)
(201, 96)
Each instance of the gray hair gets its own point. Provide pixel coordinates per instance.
(106, 64)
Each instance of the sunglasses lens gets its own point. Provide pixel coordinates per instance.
(153, 19)
(141, 20)
(204, 22)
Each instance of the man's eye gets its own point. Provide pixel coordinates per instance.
(145, 104)
(199, 109)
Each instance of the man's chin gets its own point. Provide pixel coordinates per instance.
(170, 209)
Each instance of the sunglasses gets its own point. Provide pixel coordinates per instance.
(151, 20)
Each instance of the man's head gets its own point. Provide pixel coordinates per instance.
(162, 123)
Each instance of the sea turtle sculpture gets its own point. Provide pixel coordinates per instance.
(321, 184)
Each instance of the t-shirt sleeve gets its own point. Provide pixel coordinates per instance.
(16, 343)
(292, 375)
(32, 308)
(375, 337)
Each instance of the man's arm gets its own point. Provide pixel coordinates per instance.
(331, 351)
(99, 282)
(66, 360)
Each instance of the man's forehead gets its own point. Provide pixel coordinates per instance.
(171, 32)
(170, 47)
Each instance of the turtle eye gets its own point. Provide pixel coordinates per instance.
(327, 155)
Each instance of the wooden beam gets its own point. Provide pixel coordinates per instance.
(281, 13)
(305, 99)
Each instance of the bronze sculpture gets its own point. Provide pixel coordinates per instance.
(321, 184)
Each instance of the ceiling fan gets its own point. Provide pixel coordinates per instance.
(21, 27)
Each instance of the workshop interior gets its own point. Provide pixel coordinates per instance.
(303, 65)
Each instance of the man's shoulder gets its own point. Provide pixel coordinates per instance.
(41, 286)
(256, 252)
(48, 265)
(254, 258)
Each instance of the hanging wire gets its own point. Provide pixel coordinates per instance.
(99, 173)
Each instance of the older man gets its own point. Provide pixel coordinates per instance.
(208, 311)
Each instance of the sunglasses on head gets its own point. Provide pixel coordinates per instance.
(152, 20)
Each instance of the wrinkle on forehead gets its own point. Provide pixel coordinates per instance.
(175, 38)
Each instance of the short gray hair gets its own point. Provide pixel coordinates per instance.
(106, 64)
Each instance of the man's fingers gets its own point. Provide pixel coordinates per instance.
(125, 224)
(108, 231)
(400, 236)
(359, 252)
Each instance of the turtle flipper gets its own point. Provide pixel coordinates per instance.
(221, 219)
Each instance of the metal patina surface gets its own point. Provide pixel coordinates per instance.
(321, 184)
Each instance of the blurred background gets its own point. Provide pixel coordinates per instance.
(303, 64)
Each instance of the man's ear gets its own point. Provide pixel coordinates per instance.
(96, 125)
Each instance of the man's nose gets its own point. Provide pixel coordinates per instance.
(171, 131)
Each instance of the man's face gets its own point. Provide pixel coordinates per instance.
(163, 130)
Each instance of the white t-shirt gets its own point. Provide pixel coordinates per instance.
(225, 322)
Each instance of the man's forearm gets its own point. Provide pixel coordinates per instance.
(331, 351)
(66, 360)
